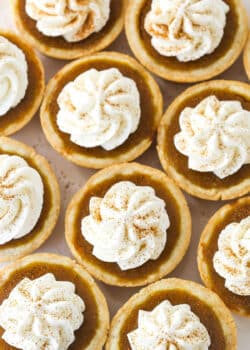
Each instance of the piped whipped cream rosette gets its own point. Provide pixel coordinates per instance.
(41, 314)
(13, 75)
(232, 260)
(215, 136)
(167, 326)
(186, 29)
(99, 108)
(21, 198)
(75, 20)
(128, 226)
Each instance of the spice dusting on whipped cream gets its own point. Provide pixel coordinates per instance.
(232, 260)
(186, 29)
(21, 198)
(41, 314)
(74, 20)
(167, 326)
(13, 75)
(128, 226)
(215, 136)
(99, 109)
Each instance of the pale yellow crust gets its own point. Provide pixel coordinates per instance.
(204, 294)
(246, 57)
(36, 100)
(90, 161)
(68, 53)
(206, 236)
(10, 146)
(180, 248)
(132, 17)
(103, 313)
(195, 190)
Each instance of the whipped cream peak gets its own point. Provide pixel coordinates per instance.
(215, 136)
(186, 29)
(13, 75)
(75, 20)
(232, 260)
(99, 108)
(41, 314)
(172, 327)
(128, 226)
(21, 197)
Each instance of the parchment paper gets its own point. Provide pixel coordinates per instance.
(72, 178)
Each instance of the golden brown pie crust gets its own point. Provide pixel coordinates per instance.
(93, 332)
(136, 144)
(247, 57)
(203, 185)
(17, 117)
(170, 68)
(233, 212)
(58, 47)
(178, 233)
(204, 303)
(20, 247)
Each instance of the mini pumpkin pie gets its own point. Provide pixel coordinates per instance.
(21, 83)
(102, 109)
(224, 255)
(68, 29)
(203, 140)
(129, 225)
(186, 41)
(173, 314)
(247, 57)
(50, 302)
(29, 199)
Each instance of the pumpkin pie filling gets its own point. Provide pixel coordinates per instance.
(235, 213)
(84, 249)
(33, 270)
(205, 180)
(175, 296)
(172, 62)
(34, 90)
(29, 25)
(150, 109)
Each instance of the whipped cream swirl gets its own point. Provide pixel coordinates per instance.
(186, 29)
(169, 327)
(13, 75)
(41, 314)
(215, 136)
(21, 198)
(127, 226)
(99, 108)
(232, 260)
(75, 20)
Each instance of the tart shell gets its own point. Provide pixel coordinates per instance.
(169, 67)
(208, 245)
(18, 248)
(203, 185)
(179, 233)
(57, 47)
(247, 57)
(201, 295)
(47, 261)
(136, 144)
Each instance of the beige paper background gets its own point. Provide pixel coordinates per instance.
(72, 177)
